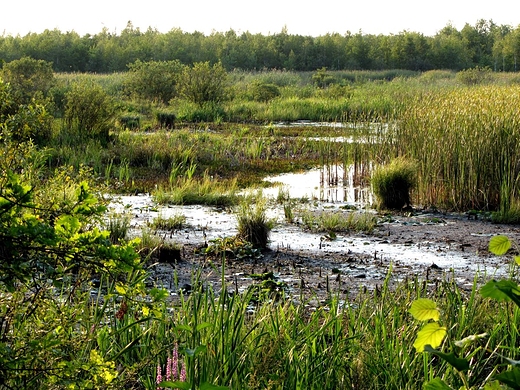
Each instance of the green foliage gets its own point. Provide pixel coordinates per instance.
(321, 78)
(205, 190)
(22, 121)
(431, 335)
(28, 77)
(46, 249)
(262, 92)
(474, 76)
(166, 119)
(153, 80)
(392, 183)
(90, 112)
(175, 222)
(338, 221)
(130, 121)
(203, 83)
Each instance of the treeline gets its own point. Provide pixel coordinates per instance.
(485, 44)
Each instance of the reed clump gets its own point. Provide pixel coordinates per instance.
(253, 225)
(466, 144)
(392, 183)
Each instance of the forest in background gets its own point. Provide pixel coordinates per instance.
(484, 44)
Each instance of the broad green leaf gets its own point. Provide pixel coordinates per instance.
(202, 325)
(195, 352)
(517, 260)
(175, 385)
(424, 309)
(494, 385)
(436, 384)
(510, 378)
(120, 288)
(430, 334)
(458, 363)
(209, 386)
(470, 340)
(503, 290)
(499, 245)
(67, 225)
(159, 294)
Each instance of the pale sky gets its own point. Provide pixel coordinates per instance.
(265, 16)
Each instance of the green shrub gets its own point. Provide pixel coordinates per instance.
(475, 76)
(28, 77)
(262, 92)
(203, 83)
(392, 183)
(89, 112)
(153, 80)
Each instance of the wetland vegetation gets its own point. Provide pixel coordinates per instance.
(77, 306)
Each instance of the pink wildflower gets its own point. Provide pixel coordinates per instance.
(169, 369)
(182, 377)
(159, 376)
(175, 362)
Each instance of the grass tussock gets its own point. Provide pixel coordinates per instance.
(338, 221)
(253, 225)
(204, 191)
(392, 183)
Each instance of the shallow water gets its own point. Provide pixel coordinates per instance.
(330, 184)
(208, 223)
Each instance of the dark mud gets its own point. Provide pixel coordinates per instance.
(428, 246)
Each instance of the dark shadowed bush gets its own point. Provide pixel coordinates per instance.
(166, 119)
(392, 183)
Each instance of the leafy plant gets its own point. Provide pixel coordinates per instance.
(432, 334)
(203, 83)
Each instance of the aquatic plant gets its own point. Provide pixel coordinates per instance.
(392, 183)
(252, 222)
(174, 222)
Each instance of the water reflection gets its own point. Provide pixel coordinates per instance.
(331, 183)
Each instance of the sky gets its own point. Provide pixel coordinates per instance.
(266, 17)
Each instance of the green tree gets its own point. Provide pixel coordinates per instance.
(203, 83)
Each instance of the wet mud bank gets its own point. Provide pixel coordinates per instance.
(428, 246)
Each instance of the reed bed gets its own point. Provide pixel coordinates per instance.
(466, 144)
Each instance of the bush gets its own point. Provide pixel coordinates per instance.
(29, 77)
(89, 112)
(22, 122)
(154, 80)
(262, 92)
(475, 76)
(392, 183)
(204, 83)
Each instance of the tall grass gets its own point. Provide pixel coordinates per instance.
(206, 191)
(466, 144)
